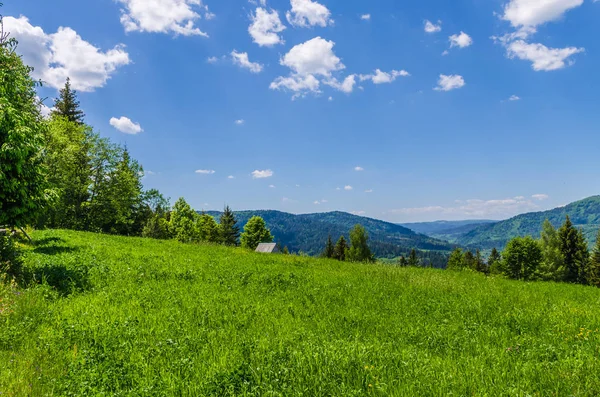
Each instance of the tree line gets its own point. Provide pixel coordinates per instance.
(57, 172)
(560, 255)
(357, 251)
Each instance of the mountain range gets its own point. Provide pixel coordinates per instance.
(308, 233)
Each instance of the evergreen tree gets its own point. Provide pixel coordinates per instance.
(456, 260)
(593, 275)
(67, 105)
(286, 251)
(522, 257)
(402, 261)
(340, 250)
(359, 245)
(255, 232)
(495, 262)
(230, 232)
(469, 261)
(329, 248)
(583, 257)
(553, 264)
(570, 249)
(480, 265)
(413, 259)
(23, 187)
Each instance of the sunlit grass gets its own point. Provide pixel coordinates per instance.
(136, 317)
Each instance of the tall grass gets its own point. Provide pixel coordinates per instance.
(134, 317)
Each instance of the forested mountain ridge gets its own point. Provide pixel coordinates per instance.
(584, 214)
(446, 230)
(308, 232)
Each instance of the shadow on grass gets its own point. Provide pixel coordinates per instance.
(48, 240)
(64, 280)
(55, 250)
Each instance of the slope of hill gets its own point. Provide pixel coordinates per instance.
(122, 316)
(584, 214)
(446, 230)
(308, 233)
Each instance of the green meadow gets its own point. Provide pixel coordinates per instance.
(118, 316)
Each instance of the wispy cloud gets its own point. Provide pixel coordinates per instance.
(205, 172)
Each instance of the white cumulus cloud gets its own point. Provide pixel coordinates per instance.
(536, 12)
(348, 187)
(306, 13)
(346, 86)
(449, 83)
(358, 168)
(126, 126)
(258, 174)
(63, 54)
(205, 172)
(514, 98)
(314, 57)
(365, 17)
(461, 40)
(240, 122)
(241, 59)
(164, 16)
(542, 57)
(430, 27)
(265, 28)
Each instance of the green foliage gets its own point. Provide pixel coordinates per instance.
(495, 264)
(413, 259)
(9, 257)
(456, 260)
(23, 187)
(230, 232)
(522, 257)
(329, 251)
(67, 105)
(340, 250)
(573, 252)
(182, 223)
(208, 229)
(552, 267)
(359, 246)
(593, 276)
(255, 232)
(157, 318)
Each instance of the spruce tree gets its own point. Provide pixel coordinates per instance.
(230, 232)
(329, 248)
(583, 257)
(67, 105)
(593, 276)
(570, 249)
(493, 260)
(340, 250)
(402, 261)
(413, 259)
(480, 265)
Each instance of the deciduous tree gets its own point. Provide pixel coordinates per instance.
(359, 245)
(522, 256)
(255, 232)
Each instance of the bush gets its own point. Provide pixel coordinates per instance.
(9, 258)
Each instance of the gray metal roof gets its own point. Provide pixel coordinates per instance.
(267, 248)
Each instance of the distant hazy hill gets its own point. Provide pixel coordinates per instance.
(308, 233)
(584, 214)
(446, 230)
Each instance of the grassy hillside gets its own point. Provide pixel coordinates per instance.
(308, 233)
(584, 214)
(135, 317)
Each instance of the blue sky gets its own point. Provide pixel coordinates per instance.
(336, 105)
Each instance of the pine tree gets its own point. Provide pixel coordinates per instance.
(413, 259)
(359, 245)
(402, 261)
(67, 105)
(593, 275)
(329, 248)
(341, 248)
(230, 232)
(569, 246)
